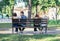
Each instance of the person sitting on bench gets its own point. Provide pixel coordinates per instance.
(36, 22)
(23, 21)
(15, 21)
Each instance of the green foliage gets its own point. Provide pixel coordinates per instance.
(59, 11)
(6, 2)
(34, 2)
(42, 3)
(43, 7)
(6, 6)
(57, 2)
(54, 22)
(11, 1)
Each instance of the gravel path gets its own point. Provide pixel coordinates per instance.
(28, 31)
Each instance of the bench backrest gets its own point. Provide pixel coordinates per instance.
(42, 22)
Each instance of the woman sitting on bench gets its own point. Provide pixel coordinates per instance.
(36, 22)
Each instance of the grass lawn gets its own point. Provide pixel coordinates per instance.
(5, 25)
(15, 37)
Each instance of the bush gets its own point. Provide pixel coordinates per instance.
(54, 22)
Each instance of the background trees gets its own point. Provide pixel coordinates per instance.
(6, 5)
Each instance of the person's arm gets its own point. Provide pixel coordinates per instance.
(15, 17)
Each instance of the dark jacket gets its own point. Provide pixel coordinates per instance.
(23, 21)
(37, 22)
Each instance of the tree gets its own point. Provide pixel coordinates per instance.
(35, 4)
(29, 11)
(57, 5)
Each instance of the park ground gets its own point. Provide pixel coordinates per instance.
(39, 37)
(53, 34)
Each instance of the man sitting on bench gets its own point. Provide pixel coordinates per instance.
(36, 23)
(23, 21)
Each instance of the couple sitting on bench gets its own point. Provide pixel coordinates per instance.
(19, 22)
(21, 26)
(22, 23)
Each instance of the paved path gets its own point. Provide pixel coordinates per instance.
(28, 31)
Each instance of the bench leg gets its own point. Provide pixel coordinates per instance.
(45, 30)
(12, 30)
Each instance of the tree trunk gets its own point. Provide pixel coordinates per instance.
(29, 11)
(36, 9)
(56, 12)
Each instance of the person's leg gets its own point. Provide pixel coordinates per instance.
(20, 28)
(16, 29)
(35, 29)
(40, 29)
(23, 28)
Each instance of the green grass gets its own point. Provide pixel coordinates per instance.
(54, 22)
(5, 25)
(15, 37)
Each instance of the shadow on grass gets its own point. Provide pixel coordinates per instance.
(8, 37)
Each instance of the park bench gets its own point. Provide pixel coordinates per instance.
(43, 23)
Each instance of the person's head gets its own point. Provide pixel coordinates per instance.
(36, 16)
(22, 13)
(14, 14)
